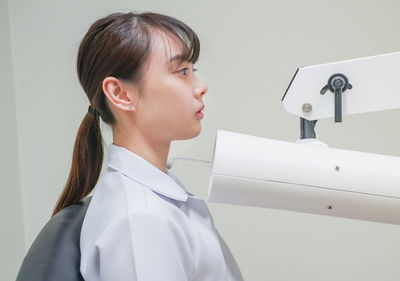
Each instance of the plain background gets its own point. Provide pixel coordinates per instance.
(250, 51)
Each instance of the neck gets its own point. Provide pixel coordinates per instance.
(155, 152)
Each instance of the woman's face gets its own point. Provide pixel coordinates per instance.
(171, 94)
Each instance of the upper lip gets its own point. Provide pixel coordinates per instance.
(201, 108)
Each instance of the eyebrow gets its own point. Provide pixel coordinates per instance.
(176, 57)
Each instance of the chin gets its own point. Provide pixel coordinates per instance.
(190, 134)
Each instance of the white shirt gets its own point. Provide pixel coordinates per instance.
(142, 225)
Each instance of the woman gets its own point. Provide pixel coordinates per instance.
(137, 72)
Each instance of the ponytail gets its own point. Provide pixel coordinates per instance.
(87, 160)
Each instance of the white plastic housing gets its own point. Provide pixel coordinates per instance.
(375, 82)
(255, 171)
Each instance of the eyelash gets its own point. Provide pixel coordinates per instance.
(187, 68)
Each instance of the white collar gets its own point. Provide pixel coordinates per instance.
(139, 169)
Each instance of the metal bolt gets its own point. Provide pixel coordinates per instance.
(337, 168)
(338, 82)
(307, 108)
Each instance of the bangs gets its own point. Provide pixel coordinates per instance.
(190, 44)
(187, 37)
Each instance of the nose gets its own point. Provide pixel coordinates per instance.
(201, 89)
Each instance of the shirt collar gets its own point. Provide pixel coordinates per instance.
(139, 169)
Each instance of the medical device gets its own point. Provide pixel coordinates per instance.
(307, 175)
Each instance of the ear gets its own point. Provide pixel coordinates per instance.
(119, 94)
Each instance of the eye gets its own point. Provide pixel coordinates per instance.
(183, 71)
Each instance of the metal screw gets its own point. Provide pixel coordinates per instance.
(307, 108)
(338, 82)
(337, 168)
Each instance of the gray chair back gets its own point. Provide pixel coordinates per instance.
(55, 254)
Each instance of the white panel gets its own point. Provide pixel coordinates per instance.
(374, 80)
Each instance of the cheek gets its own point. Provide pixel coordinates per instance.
(170, 115)
(176, 97)
(169, 102)
(177, 111)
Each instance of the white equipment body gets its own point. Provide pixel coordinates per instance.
(254, 171)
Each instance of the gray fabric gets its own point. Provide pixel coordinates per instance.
(55, 253)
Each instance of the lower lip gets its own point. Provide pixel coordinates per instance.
(200, 115)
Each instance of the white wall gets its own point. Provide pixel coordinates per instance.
(12, 239)
(250, 50)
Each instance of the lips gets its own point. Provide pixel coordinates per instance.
(200, 114)
(201, 108)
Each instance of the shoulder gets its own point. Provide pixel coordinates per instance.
(120, 198)
(142, 238)
(146, 228)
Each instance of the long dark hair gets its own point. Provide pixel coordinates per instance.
(117, 45)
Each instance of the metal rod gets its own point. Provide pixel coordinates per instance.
(307, 128)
